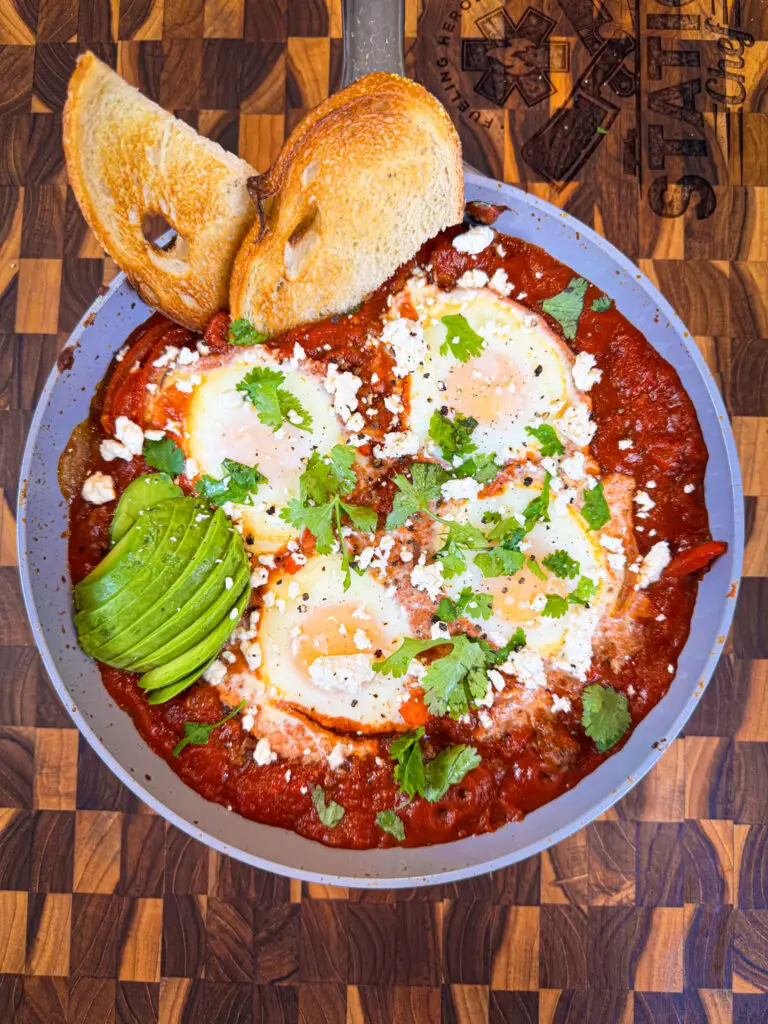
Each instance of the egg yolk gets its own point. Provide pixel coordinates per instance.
(489, 388)
(340, 629)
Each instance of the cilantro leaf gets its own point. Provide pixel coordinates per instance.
(449, 767)
(460, 339)
(460, 537)
(535, 568)
(450, 681)
(318, 519)
(556, 606)
(547, 437)
(329, 813)
(409, 770)
(238, 484)
(415, 495)
(538, 509)
(397, 663)
(515, 642)
(480, 467)
(499, 561)
(198, 733)
(242, 332)
(601, 304)
(454, 437)
(605, 715)
(363, 518)
(389, 822)
(585, 590)
(566, 306)
(508, 531)
(595, 509)
(164, 455)
(328, 475)
(275, 405)
(474, 606)
(562, 565)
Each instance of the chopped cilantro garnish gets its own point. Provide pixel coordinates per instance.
(242, 332)
(275, 405)
(595, 509)
(499, 561)
(329, 813)
(416, 494)
(198, 733)
(460, 537)
(566, 306)
(389, 822)
(584, 591)
(605, 715)
(535, 568)
(480, 467)
(556, 606)
(164, 455)
(515, 642)
(397, 663)
(454, 438)
(238, 484)
(562, 565)
(538, 509)
(547, 437)
(433, 779)
(468, 603)
(320, 507)
(460, 339)
(601, 304)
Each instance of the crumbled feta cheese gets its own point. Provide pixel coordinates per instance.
(343, 673)
(585, 373)
(496, 678)
(651, 484)
(120, 356)
(528, 667)
(344, 387)
(288, 775)
(259, 577)
(689, 488)
(263, 754)
(560, 703)
(474, 240)
(154, 435)
(473, 279)
(216, 673)
(654, 563)
(661, 618)
(185, 386)
(625, 444)
(187, 356)
(397, 444)
(228, 583)
(409, 347)
(336, 758)
(293, 589)
(110, 449)
(428, 578)
(229, 657)
(576, 655)
(394, 404)
(268, 560)
(644, 501)
(130, 433)
(98, 489)
(573, 466)
(202, 348)
(439, 631)
(251, 651)
(247, 722)
(576, 425)
(485, 719)
(167, 356)
(499, 282)
(458, 490)
(361, 640)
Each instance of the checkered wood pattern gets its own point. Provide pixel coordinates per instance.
(658, 912)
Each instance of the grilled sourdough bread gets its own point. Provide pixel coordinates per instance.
(128, 158)
(363, 181)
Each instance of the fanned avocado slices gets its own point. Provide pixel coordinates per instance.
(169, 593)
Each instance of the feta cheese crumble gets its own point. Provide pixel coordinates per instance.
(130, 433)
(474, 240)
(98, 489)
(406, 338)
(341, 673)
(585, 372)
(654, 563)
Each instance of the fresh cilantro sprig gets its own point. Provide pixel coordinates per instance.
(460, 339)
(601, 304)
(238, 484)
(547, 437)
(566, 307)
(605, 715)
(274, 404)
(535, 568)
(500, 561)
(164, 455)
(242, 332)
(459, 538)
(561, 564)
(454, 438)
(557, 606)
(468, 603)
(392, 824)
(320, 507)
(330, 813)
(433, 779)
(198, 733)
(595, 509)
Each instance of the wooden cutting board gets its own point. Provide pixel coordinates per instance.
(646, 120)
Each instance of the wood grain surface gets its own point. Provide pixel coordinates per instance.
(648, 119)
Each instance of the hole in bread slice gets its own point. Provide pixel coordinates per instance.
(153, 227)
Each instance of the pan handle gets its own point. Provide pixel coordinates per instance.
(373, 38)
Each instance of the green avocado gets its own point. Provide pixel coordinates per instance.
(195, 659)
(166, 692)
(165, 561)
(126, 559)
(142, 493)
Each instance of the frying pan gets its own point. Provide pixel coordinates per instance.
(373, 42)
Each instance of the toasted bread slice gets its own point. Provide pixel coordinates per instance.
(128, 158)
(363, 181)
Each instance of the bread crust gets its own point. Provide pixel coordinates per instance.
(363, 181)
(126, 158)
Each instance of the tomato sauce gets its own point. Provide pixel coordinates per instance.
(639, 396)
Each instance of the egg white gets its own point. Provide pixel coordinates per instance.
(307, 623)
(522, 376)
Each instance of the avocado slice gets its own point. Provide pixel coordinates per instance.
(175, 583)
(142, 493)
(214, 610)
(166, 692)
(100, 625)
(127, 558)
(195, 658)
